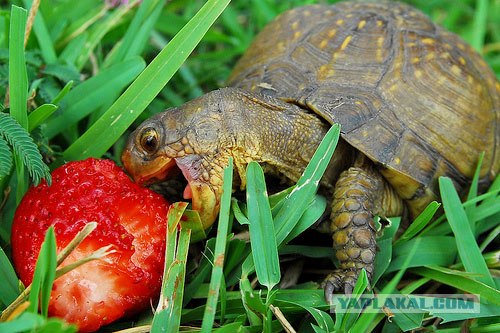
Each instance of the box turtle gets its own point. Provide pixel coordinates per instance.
(414, 101)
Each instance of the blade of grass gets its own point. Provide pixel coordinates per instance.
(64, 91)
(92, 12)
(168, 312)
(18, 77)
(479, 25)
(18, 86)
(9, 288)
(385, 246)
(39, 115)
(43, 37)
(220, 249)
(368, 320)
(100, 29)
(435, 250)
(44, 275)
(311, 215)
(454, 279)
(420, 222)
(300, 197)
(93, 93)
(261, 226)
(101, 136)
(467, 246)
(126, 48)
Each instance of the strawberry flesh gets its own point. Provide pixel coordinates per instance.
(130, 218)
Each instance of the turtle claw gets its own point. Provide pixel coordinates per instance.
(338, 281)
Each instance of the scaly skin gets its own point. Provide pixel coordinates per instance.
(282, 137)
(360, 193)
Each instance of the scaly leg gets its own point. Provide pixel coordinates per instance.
(360, 193)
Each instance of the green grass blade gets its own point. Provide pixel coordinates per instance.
(104, 133)
(479, 25)
(300, 197)
(64, 91)
(9, 289)
(39, 115)
(368, 319)
(262, 235)
(92, 94)
(385, 249)
(18, 77)
(100, 29)
(127, 47)
(420, 222)
(467, 246)
(86, 13)
(74, 49)
(435, 250)
(44, 275)
(167, 317)
(220, 251)
(311, 215)
(43, 37)
(457, 280)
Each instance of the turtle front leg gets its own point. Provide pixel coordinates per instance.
(360, 193)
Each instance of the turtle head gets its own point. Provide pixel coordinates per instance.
(188, 138)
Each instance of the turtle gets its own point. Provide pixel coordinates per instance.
(414, 102)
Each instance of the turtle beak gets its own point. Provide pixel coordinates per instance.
(147, 172)
(205, 200)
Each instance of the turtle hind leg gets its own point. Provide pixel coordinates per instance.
(360, 193)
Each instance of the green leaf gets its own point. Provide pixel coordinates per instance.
(467, 246)
(168, 313)
(39, 115)
(5, 158)
(114, 122)
(100, 29)
(92, 94)
(420, 222)
(311, 215)
(18, 77)
(9, 289)
(262, 235)
(64, 91)
(433, 250)
(217, 277)
(385, 246)
(479, 26)
(486, 310)
(44, 275)
(300, 197)
(24, 147)
(368, 320)
(27, 321)
(43, 36)
(137, 33)
(457, 280)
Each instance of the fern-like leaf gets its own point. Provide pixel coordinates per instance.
(24, 146)
(5, 158)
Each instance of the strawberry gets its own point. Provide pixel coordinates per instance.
(131, 218)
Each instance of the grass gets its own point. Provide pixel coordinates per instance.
(85, 63)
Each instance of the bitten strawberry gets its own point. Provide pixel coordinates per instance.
(131, 218)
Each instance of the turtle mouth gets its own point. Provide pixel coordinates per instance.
(163, 175)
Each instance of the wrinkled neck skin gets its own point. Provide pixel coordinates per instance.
(281, 136)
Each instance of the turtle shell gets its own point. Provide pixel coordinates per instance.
(413, 97)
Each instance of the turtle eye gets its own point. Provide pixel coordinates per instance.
(150, 140)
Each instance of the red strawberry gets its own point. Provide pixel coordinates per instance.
(131, 218)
